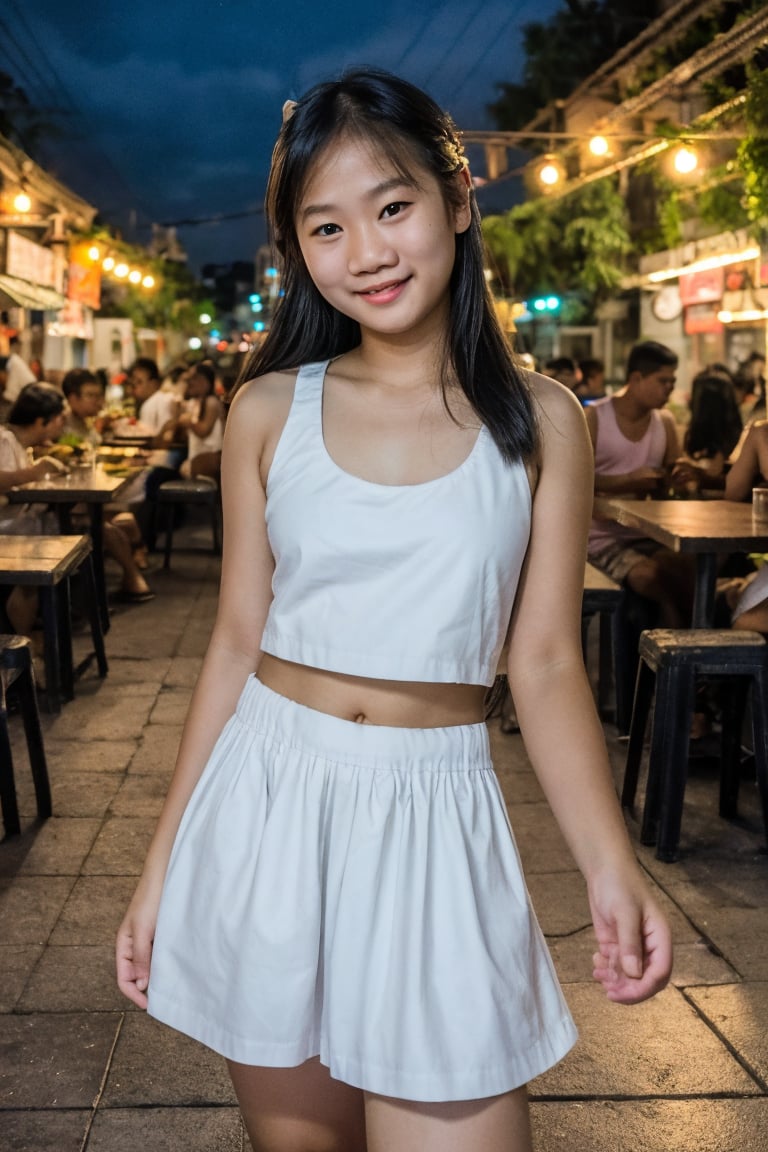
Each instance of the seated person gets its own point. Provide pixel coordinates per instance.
(203, 422)
(748, 597)
(35, 418)
(712, 434)
(85, 400)
(122, 538)
(635, 443)
(592, 384)
(566, 370)
(5, 405)
(158, 412)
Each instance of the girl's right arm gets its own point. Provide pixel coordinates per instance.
(232, 655)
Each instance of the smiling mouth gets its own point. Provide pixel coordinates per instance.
(383, 289)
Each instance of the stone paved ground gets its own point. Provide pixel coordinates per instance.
(81, 1069)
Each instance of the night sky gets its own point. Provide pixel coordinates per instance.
(166, 110)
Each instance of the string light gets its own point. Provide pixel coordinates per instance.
(108, 263)
(685, 161)
(598, 146)
(748, 314)
(134, 276)
(21, 202)
(705, 264)
(148, 282)
(93, 253)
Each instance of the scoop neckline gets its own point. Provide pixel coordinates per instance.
(460, 467)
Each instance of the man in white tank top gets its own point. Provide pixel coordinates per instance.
(636, 443)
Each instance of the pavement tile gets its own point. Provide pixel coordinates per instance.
(142, 795)
(167, 1130)
(739, 1012)
(157, 751)
(697, 963)
(119, 716)
(560, 902)
(54, 1060)
(171, 706)
(153, 670)
(194, 642)
(111, 756)
(651, 1126)
(56, 1130)
(79, 794)
(741, 935)
(74, 979)
(120, 847)
(183, 672)
(93, 911)
(658, 1048)
(61, 845)
(30, 906)
(153, 1064)
(17, 962)
(539, 840)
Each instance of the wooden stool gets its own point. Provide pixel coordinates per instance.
(48, 563)
(671, 660)
(602, 597)
(202, 490)
(16, 669)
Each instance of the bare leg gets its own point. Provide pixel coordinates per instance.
(299, 1109)
(498, 1124)
(668, 581)
(21, 609)
(116, 545)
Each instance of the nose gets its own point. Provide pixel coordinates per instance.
(369, 250)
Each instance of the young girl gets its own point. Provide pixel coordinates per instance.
(341, 908)
(203, 422)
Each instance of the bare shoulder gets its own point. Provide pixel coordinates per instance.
(560, 412)
(257, 417)
(266, 398)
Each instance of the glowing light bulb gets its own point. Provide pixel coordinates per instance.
(22, 202)
(134, 276)
(204, 318)
(108, 263)
(93, 253)
(195, 342)
(121, 271)
(685, 161)
(549, 174)
(598, 146)
(148, 282)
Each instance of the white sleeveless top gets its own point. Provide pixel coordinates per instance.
(394, 582)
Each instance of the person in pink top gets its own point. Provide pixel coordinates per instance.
(636, 444)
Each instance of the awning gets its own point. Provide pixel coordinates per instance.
(28, 295)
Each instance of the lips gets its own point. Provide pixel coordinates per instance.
(385, 292)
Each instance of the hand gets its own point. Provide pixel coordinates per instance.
(647, 479)
(48, 466)
(685, 476)
(133, 950)
(634, 957)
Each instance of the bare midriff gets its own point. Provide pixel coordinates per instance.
(393, 703)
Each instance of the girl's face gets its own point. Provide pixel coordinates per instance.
(196, 386)
(378, 248)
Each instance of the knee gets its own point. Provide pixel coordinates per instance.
(645, 579)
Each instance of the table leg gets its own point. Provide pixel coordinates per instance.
(97, 537)
(704, 591)
(51, 649)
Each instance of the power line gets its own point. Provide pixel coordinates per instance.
(491, 45)
(455, 41)
(41, 79)
(415, 39)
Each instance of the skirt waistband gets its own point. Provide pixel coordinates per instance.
(457, 748)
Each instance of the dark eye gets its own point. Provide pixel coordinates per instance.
(326, 230)
(395, 208)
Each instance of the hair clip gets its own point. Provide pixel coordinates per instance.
(288, 110)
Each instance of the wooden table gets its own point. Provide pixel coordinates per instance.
(90, 486)
(705, 528)
(46, 563)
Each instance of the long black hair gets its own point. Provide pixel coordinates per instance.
(715, 424)
(407, 127)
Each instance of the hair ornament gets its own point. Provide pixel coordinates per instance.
(288, 109)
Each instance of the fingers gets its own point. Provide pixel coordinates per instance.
(634, 960)
(133, 954)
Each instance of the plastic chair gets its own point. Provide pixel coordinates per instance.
(16, 672)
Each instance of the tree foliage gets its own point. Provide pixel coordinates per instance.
(753, 150)
(575, 247)
(565, 50)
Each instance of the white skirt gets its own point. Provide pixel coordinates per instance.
(354, 891)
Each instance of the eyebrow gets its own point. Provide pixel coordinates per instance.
(373, 194)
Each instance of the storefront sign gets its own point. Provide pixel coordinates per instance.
(84, 283)
(29, 261)
(702, 318)
(702, 287)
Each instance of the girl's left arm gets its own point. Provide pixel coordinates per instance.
(556, 711)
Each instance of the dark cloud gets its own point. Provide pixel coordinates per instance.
(169, 110)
